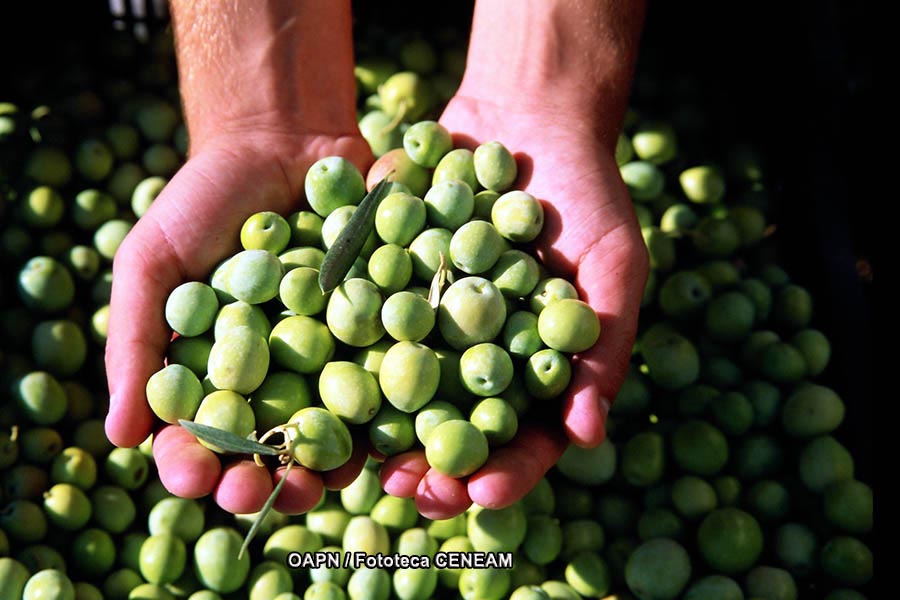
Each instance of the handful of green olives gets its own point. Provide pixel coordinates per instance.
(441, 331)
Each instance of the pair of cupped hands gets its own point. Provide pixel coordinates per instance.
(590, 234)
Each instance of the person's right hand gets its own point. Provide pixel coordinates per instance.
(188, 230)
(267, 89)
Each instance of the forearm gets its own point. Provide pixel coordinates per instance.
(569, 57)
(265, 65)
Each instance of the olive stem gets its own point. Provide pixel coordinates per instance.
(398, 118)
(437, 283)
(282, 429)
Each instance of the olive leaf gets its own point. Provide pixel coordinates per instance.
(345, 249)
(261, 515)
(226, 440)
(437, 283)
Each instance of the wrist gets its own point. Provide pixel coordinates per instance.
(537, 120)
(569, 60)
(257, 68)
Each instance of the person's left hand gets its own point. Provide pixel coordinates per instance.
(591, 235)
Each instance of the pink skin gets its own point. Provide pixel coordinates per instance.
(510, 473)
(243, 487)
(401, 473)
(301, 492)
(441, 497)
(195, 473)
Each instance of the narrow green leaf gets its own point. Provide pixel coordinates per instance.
(261, 515)
(226, 440)
(345, 249)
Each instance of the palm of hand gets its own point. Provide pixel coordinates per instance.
(188, 230)
(590, 233)
(590, 230)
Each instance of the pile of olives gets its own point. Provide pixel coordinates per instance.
(80, 162)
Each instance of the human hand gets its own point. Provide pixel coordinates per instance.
(262, 102)
(590, 233)
(189, 229)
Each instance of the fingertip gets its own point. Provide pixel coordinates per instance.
(128, 424)
(584, 412)
(401, 473)
(441, 497)
(185, 467)
(243, 488)
(137, 335)
(300, 493)
(513, 470)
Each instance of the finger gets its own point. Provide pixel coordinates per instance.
(612, 281)
(338, 479)
(604, 248)
(513, 470)
(401, 473)
(301, 492)
(138, 335)
(584, 409)
(243, 488)
(186, 468)
(441, 497)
